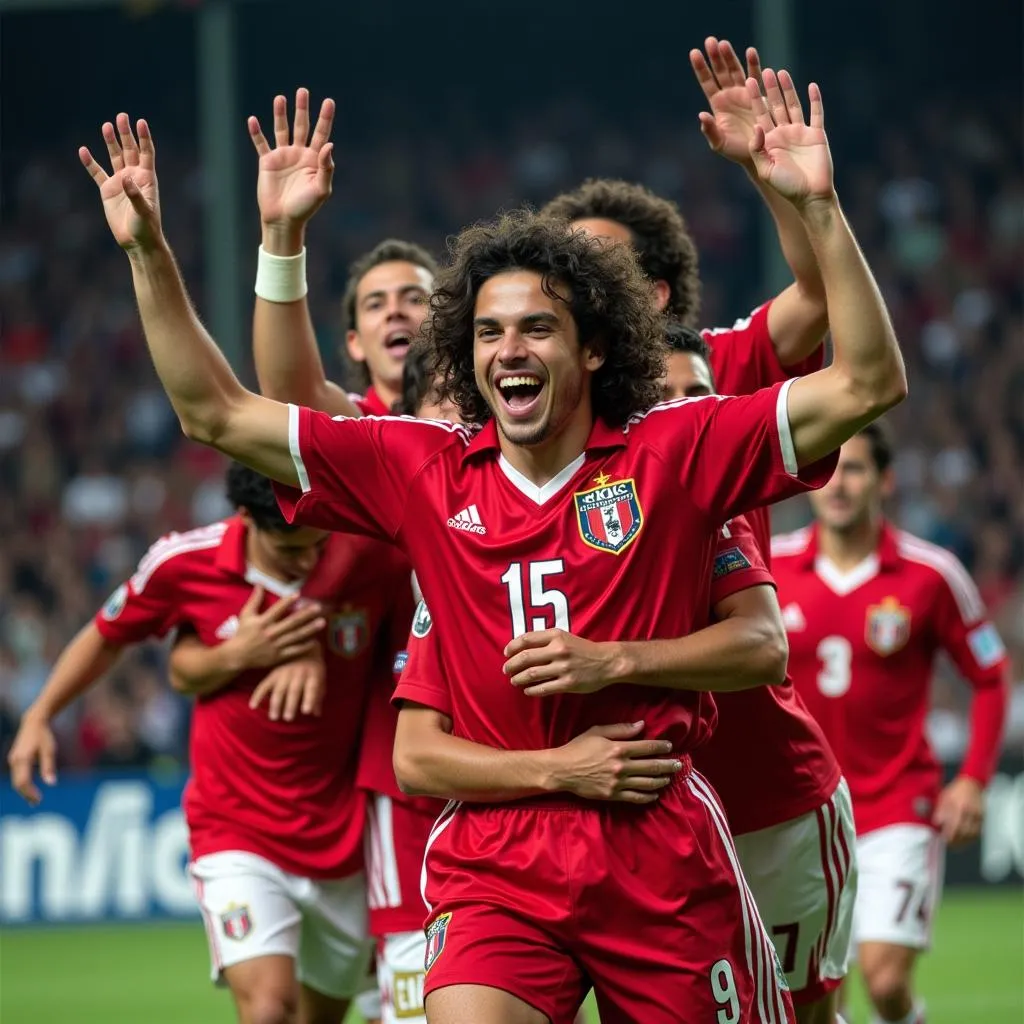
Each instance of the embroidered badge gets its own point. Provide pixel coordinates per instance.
(436, 935)
(887, 628)
(729, 560)
(349, 632)
(236, 922)
(609, 515)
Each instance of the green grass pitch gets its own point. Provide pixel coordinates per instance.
(158, 974)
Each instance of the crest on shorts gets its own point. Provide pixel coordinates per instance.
(609, 515)
(349, 632)
(436, 934)
(115, 603)
(887, 628)
(236, 921)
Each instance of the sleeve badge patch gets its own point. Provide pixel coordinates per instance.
(115, 603)
(986, 645)
(729, 560)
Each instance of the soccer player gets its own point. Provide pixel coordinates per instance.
(587, 499)
(867, 608)
(275, 819)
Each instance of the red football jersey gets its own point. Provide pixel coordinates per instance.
(743, 360)
(616, 546)
(861, 649)
(283, 790)
(370, 404)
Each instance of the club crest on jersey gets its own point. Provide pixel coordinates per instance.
(887, 628)
(349, 632)
(609, 515)
(236, 921)
(435, 939)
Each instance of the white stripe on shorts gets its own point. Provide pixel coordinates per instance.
(444, 819)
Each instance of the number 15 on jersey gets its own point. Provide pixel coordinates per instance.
(529, 592)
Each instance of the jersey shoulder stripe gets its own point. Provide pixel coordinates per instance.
(949, 568)
(740, 325)
(173, 546)
(669, 406)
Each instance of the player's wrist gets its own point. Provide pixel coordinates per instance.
(281, 278)
(551, 775)
(622, 666)
(283, 238)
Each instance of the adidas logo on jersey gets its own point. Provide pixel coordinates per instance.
(469, 520)
(793, 619)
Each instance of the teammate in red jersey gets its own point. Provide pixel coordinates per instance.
(274, 816)
(581, 491)
(867, 608)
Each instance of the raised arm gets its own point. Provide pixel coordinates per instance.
(294, 181)
(866, 376)
(88, 657)
(212, 405)
(604, 763)
(798, 315)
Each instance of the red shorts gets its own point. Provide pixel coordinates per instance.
(546, 898)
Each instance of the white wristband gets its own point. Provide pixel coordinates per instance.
(281, 278)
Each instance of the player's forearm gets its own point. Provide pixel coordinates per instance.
(866, 352)
(197, 670)
(87, 658)
(453, 768)
(988, 718)
(798, 317)
(736, 654)
(197, 378)
(288, 363)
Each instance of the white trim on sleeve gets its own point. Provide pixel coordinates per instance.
(785, 434)
(296, 451)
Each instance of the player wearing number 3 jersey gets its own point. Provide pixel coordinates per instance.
(596, 511)
(867, 607)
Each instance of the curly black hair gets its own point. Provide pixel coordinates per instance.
(608, 297)
(660, 235)
(252, 492)
(391, 250)
(681, 338)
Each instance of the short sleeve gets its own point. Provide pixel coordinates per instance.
(142, 607)
(743, 356)
(738, 564)
(736, 454)
(354, 474)
(423, 679)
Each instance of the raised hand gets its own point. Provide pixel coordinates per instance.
(295, 176)
(729, 128)
(129, 193)
(789, 154)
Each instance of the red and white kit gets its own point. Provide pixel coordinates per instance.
(792, 817)
(275, 819)
(597, 898)
(862, 649)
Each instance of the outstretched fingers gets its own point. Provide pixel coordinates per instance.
(147, 148)
(753, 63)
(791, 98)
(719, 64)
(705, 79)
(774, 98)
(300, 132)
(817, 107)
(128, 145)
(113, 147)
(731, 64)
(281, 121)
(90, 163)
(324, 125)
(259, 140)
(762, 115)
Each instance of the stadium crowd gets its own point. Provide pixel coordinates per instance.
(93, 466)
